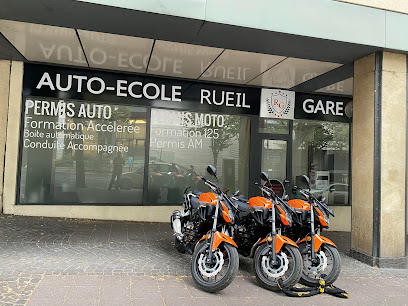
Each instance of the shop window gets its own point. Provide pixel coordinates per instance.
(183, 144)
(77, 153)
(321, 151)
(273, 126)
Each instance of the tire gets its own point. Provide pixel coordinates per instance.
(289, 278)
(179, 246)
(214, 285)
(331, 274)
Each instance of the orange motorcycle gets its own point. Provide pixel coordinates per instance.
(215, 259)
(320, 256)
(259, 235)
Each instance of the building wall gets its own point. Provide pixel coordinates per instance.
(400, 6)
(363, 154)
(4, 95)
(133, 213)
(393, 154)
(342, 222)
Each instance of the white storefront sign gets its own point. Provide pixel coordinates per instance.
(277, 103)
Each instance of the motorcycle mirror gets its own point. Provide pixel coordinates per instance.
(236, 193)
(306, 181)
(212, 171)
(323, 200)
(294, 189)
(264, 176)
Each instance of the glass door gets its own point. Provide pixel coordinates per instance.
(274, 157)
(271, 147)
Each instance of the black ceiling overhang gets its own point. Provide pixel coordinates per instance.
(101, 18)
(333, 76)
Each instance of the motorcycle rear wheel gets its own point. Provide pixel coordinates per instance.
(332, 257)
(289, 268)
(227, 262)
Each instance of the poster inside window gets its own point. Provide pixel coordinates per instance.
(76, 152)
(183, 144)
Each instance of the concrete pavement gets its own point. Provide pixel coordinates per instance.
(51, 261)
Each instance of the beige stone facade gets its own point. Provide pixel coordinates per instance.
(393, 154)
(391, 159)
(363, 154)
(400, 6)
(4, 98)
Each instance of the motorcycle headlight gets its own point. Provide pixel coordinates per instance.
(289, 218)
(231, 216)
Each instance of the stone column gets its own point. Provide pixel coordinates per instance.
(379, 160)
(4, 96)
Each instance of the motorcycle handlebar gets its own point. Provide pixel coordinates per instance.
(265, 189)
(211, 185)
(310, 196)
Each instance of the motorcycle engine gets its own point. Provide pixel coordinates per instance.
(244, 237)
(189, 231)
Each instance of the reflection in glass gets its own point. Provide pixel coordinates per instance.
(321, 151)
(239, 67)
(77, 152)
(181, 60)
(118, 52)
(273, 126)
(274, 159)
(183, 144)
(293, 71)
(344, 87)
(44, 43)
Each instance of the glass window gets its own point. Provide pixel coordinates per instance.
(274, 158)
(183, 144)
(273, 126)
(321, 151)
(75, 152)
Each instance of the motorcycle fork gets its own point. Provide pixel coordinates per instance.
(312, 233)
(213, 230)
(273, 233)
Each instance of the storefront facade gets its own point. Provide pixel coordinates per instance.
(108, 122)
(86, 138)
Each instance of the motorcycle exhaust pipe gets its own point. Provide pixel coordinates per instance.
(251, 255)
(176, 224)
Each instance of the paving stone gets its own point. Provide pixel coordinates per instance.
(234, 301)
(45, 302)
(81, 302)
(148, 301)
(52, 260)
(82, 293)
(179, 301)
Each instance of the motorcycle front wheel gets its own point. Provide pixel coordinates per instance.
(218, 274)
(288, 267)
(328, 264)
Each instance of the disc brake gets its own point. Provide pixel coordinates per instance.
(278, 271)
(320, 267)
(209, 271)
